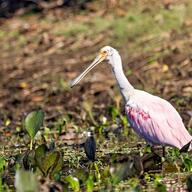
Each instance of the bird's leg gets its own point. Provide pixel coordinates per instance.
(153, 150)
(164, 151)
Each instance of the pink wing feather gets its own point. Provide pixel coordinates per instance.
(156, 120)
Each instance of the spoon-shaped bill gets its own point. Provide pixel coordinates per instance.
(97, 60)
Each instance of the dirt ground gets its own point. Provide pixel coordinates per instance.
(41, 53)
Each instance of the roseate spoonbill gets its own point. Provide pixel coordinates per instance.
(152, 117)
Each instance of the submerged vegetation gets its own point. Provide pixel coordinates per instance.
(81, 140)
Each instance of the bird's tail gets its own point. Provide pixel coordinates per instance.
(187, 147)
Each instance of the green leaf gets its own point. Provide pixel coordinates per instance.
(113, 112)
(124, 120)
(33, 122)
(28, 161)
(57, 165)
(160, 187)
(48, 162)
(74, 182)
(25, 181)
(2, 164)
(40, 153)
(187, 164)
(90, 183)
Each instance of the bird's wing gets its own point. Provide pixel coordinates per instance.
(156, 120)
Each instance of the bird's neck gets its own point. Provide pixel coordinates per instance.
(125, 87)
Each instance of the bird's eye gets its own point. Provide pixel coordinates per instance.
(105, 52)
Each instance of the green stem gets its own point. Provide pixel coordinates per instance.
(31, 144)
(98, 173)
(92, 118)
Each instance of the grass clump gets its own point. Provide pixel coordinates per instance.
(101, 24)
(137, 24)
(2, 34)
(71, 29)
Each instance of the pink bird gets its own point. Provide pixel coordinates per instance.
(152, 117)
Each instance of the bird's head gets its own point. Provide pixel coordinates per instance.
(106, 53)
(109, 54)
